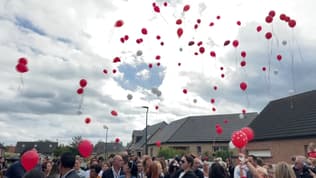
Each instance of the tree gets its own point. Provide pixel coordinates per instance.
(168, 153)
(62, 149)
(75, 141)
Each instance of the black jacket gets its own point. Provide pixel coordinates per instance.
(109, 173)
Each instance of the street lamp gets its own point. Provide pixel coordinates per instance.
(106, 140)
(146, 146)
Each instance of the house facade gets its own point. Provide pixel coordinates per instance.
(197, 134)
(284, 128)
(42, 147)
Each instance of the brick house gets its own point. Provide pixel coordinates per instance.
(197, 134)
(284, 128)
(137, 146)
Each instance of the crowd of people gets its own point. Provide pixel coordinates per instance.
(186, 166)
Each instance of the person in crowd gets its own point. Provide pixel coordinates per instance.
(54, 173)
(3, 166)
(172, 169)
(217, 171)
(146, 163)
(16, 170)
(47, 167)
(196, 168)
(34, 173)
(81, 173)
(140, 169)
(93, 161)
(94, 171)
(186, 163)
(205, 168)
(106, 166)
(66, 167)
(283, 170)
(230, 167)
(311, 151)
(116, 170)
(164, 169)
(300, 168)
(155, 170)
(241, 170)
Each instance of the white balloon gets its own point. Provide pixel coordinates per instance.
(231, 145)
(276, 71)
(139, 53)
(241, 116)
(194, 100)
(284, 42)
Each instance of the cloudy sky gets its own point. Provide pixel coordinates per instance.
(66, 41)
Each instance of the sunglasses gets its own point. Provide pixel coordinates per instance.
(182, 161)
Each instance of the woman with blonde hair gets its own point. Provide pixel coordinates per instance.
(283, 170)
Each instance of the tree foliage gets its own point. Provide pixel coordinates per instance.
(223, 154)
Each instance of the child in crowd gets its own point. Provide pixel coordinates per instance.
(311, 151)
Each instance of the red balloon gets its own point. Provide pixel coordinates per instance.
(272, 13)
(249, 132)
(179, 22)
(227, 42)
(243, 54)
(126, 37)
(158, 64)
(23, 61)
(158, 37)
(198, 20)
(235, 43)
(80, 91)
(211, 24)
(117, 140)
(179, 64)
(157, 9)
(114, 113)
(243, 63)
(105, 71)
(191, 43)
(279, 57)
(217, 125)
(180, 32)
(243, 86)
(21, 68)
(238, 23)
(213, 53)
(264, 69)
(122, 40)
(157, 57)
(87, 120)
(158, 143)
(243, 111)
(225, 121)
(85, 148)
(212, 100)
(157, 107)
(186, 8)
(268, 35)
(269, 19)
(119, 23)
(185, 91)
(287, 19)
(218, 17)
(196, 26)
(213, 109)
(83, 83)
(116, 59)
(29, 159)
(114, 71)
(162, 43)
(239, 139)
(259, 28)
(219, 130)
(150, 65)
(202, 50)
(221, 68)
(144, 31)
(215, 87)
(282, 17)
(292, 23)
(165, 4)
(200, 43)
(222, 75)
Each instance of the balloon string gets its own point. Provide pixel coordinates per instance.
(299, 50)
(275, 35)
(292, 62)
(247, 98)
(21, 86)
(269, 66)
(80, 104)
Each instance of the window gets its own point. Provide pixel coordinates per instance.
(199, 150)
(260, 153)
(219, 148)
(139, 154)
